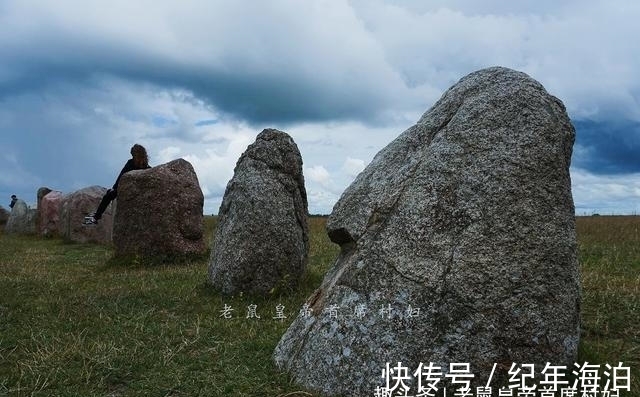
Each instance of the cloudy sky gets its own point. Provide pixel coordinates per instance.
(81, 81)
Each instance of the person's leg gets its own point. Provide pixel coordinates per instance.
(106, 199)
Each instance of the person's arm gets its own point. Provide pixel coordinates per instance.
(127, 167)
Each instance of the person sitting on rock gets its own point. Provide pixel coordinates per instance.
(14, 198)
(139, 161)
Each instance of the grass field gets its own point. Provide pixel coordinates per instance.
(74, 323)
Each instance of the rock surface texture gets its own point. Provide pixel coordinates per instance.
(49, 213)
(75, 206)
(467, 216)
(43, 191)
(159, 215)
(261, 241)
(22, 219)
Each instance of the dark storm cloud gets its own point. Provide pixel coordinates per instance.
(280, 71)
(286, 61)
(57, 140)
(607, 147)
(281, 98)
(81, 81)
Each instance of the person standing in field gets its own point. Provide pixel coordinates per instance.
(138, 161)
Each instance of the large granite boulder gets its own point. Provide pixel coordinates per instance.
(458, 245)
(22, 219)
(74, 207)
(159, 215)
(261, 242)
(49, 213)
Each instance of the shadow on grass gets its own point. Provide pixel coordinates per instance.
(155, 261)
(206, 290)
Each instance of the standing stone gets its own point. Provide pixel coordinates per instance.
(43, 191)
(74, 207)
(261, 241)
(22, 219)
(159, 215)
(466, 216)
(49, 213)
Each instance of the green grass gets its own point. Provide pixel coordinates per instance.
(609, 250)
(74, 323)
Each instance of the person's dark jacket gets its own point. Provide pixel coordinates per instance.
(129, 166)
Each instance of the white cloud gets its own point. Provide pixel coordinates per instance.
(605, 194)
(321, 201)
(580, 51)
(379, 58)
(352, 167)
(343, 78)
(214, 166)
(318, 174)
(473, 7)
(169, 153)
(255, 60)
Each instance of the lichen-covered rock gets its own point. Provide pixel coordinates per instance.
(261, 241)
(159, 215)
(74, 207)
(464, 228)
(22, 219)
(49, 213)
